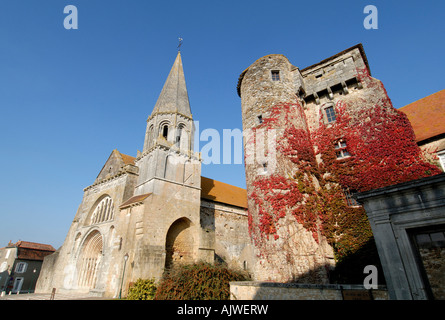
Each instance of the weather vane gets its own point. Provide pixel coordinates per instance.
(180, 43)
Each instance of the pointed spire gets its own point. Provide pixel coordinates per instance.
(174, 96)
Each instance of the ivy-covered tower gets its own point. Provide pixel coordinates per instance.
(314, 137)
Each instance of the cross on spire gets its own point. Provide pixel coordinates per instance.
(180, 43)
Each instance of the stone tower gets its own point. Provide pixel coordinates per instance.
(168, 156)
(170, 178)
(271, 105)
(313, 138)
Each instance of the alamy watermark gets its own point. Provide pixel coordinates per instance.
(71, 21)
(227, 148)
(371, 20)
(371, 280)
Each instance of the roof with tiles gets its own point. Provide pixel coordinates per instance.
(32, 250)
(222, 192)
(427, 116)
(127, 159)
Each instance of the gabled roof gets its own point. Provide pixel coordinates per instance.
(427, 116)
(222, 192)
(116, 160)
(174, 95)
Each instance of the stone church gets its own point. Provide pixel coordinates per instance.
(145, 214)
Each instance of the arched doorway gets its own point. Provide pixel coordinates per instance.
(179, 243)
(89, 260)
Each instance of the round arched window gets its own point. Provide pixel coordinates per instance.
(104, 211)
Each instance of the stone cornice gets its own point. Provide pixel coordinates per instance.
(124, 171)
(161, 143)
(169, 112)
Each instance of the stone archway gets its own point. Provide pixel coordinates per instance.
(89, 260)
(179, 243)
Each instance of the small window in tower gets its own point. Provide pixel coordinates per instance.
(330, 114)
(265, 167)
(260, 119)
(178, 136)
(341, 149)
(165, 131)
(275, 75)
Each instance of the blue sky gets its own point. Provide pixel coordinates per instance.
(69, 97)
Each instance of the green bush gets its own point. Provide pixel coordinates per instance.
(142, 289)
(200, 281)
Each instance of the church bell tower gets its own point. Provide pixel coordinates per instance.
(168, 155)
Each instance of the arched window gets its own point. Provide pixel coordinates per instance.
(165, 131)
(104, 211)
(178, 136)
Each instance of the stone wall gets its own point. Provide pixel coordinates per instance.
(433, 260)
(251, 290)
(230, 226)
(276, 96)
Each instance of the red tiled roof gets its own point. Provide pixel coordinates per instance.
(127, 159)
(223, 192)
(34, 246)
(427, 115)
(31, 250)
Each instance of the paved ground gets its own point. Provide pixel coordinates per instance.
(47, 296)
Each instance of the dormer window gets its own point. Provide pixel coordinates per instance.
(275, 75)
(260, 119)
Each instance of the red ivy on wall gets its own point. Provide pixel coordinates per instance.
(383, 152)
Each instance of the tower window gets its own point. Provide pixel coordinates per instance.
(265, 167)
(275, 75)
(341, 150)
(165, 131)
(330, 114)
(179, 135)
